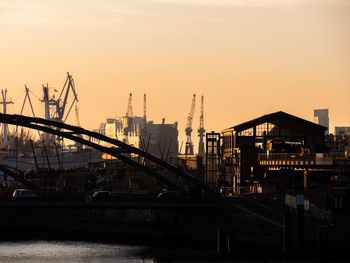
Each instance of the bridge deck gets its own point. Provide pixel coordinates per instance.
(126, 204)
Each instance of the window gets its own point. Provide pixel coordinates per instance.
(247, 132)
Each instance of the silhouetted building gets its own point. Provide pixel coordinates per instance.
(276, 132)
(321, 118)
(213, 159)
(161, 140)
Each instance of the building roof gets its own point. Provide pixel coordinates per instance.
(282, 119)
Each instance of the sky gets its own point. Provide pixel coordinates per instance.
(247, 57)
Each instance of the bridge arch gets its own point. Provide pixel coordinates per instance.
(72, 132)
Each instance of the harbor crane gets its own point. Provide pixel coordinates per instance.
(27, 97)
(128, 118)
(144, 111)
(201, 130)
(60, 105)
(188, 130)
(5, 102)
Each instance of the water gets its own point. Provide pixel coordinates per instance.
(79, 252)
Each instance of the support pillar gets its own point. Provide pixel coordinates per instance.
(305, 179)
(322, 244)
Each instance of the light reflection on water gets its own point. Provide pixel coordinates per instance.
(57, 252)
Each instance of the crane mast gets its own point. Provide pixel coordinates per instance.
(188, 130)
(201, 130)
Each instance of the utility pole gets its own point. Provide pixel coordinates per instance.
(4, 102)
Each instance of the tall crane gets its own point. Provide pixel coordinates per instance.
(26, 89)
(4, 102)
(144, 111)
(27, 96)
(201, 130)
(188, 130)
(59, 105)
(61, 102)
(128, 118)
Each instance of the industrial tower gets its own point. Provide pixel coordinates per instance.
(201, 130)
(188, 130)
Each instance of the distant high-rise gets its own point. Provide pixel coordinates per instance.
(342, 130)
(321, 118)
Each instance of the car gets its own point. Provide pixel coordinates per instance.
(168, 195)
(23, 193)
(99, 196)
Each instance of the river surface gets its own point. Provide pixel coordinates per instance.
(77, 252)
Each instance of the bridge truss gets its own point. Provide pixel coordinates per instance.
(118, 149)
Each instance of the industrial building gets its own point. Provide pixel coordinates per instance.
(321, 117)
(158, 139)
(277, 132)
(162, 140)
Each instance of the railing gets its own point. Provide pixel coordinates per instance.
(310, 208)
(286, 156)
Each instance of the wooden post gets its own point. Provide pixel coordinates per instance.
(229, 240)
(322, 244)
(287, 231)
(218, 235)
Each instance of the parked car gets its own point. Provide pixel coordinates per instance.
(23, 193)
(168, 195)
(99, 196)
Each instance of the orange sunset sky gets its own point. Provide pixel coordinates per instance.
(247, 57)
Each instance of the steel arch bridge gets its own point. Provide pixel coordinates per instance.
(118, 149)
